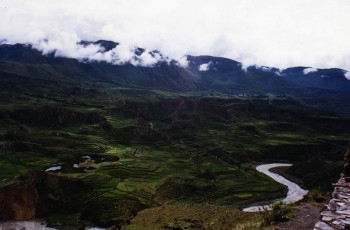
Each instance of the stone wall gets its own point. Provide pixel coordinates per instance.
(337, 214)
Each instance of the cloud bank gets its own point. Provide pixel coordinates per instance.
(279, 33)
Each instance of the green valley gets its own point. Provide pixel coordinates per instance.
(143, 149)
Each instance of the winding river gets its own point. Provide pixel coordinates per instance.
(295, 193)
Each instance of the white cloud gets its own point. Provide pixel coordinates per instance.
(347, 75)
(148, 60)
(279, 33)
(309, 70)
(204, 67)
(266, 69)
(119, 55)
(65, 48)
(183, 61)
(278, 73)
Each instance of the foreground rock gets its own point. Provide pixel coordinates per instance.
(18, 201)
(39, 193)
(337, 214)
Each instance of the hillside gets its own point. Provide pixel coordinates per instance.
(93, 144)
(26, 65)
(24, 68)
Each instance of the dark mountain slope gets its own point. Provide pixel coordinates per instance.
(22, 65)
(228, 76)
(331, 79)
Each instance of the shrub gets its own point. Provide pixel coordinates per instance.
(318, 196)
(279, 212)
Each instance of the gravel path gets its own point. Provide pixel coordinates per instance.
(295, 193)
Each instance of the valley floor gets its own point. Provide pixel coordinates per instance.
(117, 152)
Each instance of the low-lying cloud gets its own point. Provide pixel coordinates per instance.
(347, 75)
(279, 33)
(204, 67)
(309, 70)
(119, 55)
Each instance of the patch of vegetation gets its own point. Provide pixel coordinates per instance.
(279, 212)
(194, 217)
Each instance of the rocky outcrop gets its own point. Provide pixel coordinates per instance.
(346, 170)
(55, 116)
(18, 201)
(39, 194)
(337, 214)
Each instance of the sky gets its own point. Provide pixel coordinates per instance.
(278, 33)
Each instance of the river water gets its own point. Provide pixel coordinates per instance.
(295, 192)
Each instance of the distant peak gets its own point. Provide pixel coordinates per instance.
(107, 45)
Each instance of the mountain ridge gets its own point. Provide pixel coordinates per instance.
(203, 73)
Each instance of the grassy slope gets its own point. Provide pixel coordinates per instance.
(193, 217)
